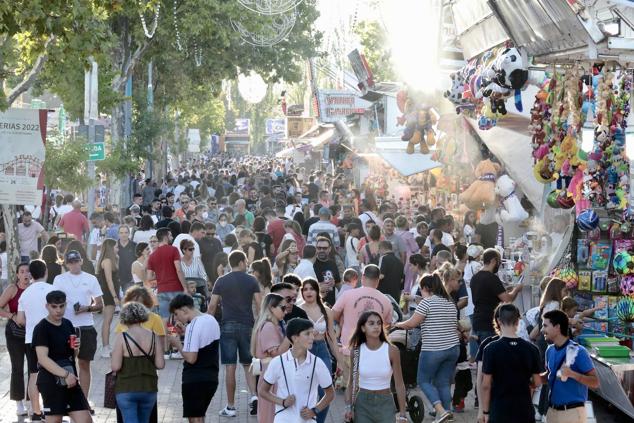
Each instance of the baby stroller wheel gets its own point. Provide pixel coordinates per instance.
(416, 408)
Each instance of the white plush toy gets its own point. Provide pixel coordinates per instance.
(512, 210)
(511, 69)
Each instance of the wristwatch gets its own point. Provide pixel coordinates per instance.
(314, 410)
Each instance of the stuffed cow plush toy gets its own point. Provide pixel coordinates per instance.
(512, 210)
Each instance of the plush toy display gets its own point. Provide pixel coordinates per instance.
(481, 193)
(419, 122)
(483, 85)
(512, 210)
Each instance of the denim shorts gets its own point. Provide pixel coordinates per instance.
(164, 299)
(235, 340)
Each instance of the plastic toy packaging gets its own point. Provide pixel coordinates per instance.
(585, 280)
(600, 254)
(599, 281)
(601, 302)
(583, 253)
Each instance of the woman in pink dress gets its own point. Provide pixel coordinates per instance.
(408, 240)
(267, 342)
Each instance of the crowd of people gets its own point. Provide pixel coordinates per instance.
(298, 277)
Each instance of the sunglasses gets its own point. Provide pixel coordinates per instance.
(190, 249)
(323, 248)
(290, 299)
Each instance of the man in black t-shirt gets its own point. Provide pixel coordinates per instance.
(487, 292)
(287, 290)
(326, 270)
(487, 234)
(510, 368)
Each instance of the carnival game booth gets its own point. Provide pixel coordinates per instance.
(575, 59)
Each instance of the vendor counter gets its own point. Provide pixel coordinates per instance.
(617, 381)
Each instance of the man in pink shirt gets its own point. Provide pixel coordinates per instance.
(276, 225)
(353, 302)
(74, 222)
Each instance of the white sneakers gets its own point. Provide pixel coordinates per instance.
(21, 409)
(105, 351)
(175, 355)
(228, 412)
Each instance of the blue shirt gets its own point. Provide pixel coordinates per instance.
(113, 232)
(570, 391)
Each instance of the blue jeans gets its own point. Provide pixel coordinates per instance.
(320, 349)
(136, 407)
(435, 373)
(164, 299)
(235, 342)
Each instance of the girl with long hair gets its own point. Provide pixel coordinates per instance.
(261, 270)
(287, 259)
(108, 277)
(14, 334)
(294, 232)
(324, 329)
(452, 281)
(373, 361)
(50, 255)
(268, 341)
(436, 315)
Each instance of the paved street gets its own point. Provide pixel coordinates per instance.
(170, 408)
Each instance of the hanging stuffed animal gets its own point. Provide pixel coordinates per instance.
(481, 193)
(512, 210)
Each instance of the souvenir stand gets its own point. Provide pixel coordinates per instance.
(571, 63)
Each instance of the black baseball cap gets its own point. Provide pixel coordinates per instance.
(72, 255)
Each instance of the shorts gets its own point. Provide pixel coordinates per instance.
(60, 400)
(235, 340)
(164, 299)
(31, 358)
(196, 398)
(87, 342)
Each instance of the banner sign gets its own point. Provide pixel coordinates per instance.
(242, 127)
(276, 126)
(336, 105)
(22, 154)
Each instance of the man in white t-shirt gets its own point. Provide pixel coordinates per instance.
(83, 296)
(200, 355)
(298, 374)
(31, 310)
(28, 233)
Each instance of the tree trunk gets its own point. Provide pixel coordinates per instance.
(11, 233)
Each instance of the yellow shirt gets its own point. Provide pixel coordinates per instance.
(154, 323)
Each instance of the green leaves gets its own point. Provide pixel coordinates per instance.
(65, 165)
(376, 51)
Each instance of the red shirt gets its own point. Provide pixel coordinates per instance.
(74, 222)
(161, 262)
(276, 231)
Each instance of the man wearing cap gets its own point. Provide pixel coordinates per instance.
(323, 225)
(83, 296)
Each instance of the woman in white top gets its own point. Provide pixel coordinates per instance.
(437, 317)
(193, 267)
(142, 252)
(468, 229)
(321, 317)
(373, 361)
(146, 230)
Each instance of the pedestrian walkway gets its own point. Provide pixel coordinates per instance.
(169, 396)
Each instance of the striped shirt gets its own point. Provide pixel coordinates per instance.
(323, 226)
(439, 330)
(194, 270)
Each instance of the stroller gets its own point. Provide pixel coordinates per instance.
(409, 367)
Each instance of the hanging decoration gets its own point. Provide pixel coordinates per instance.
(270, 7)
(252, 88)
(149, 33)
(179, 46)
(275, 29)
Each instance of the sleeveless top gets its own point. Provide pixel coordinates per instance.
(13, 302)
(101, 277)
(135, 278)
(319, 325)
(375, 369)
(138, 372)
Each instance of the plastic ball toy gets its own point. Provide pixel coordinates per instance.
(625, 309)
(569, 276)
(552, 199)
(623, 263)
(587, 220)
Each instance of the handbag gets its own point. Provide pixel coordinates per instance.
(109, 398)
(15, 329)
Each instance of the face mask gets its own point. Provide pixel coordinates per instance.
(223, 224)
(205, 215)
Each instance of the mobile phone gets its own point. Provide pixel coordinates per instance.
(76, 306)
